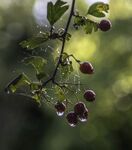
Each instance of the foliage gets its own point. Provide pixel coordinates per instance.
(64, 66)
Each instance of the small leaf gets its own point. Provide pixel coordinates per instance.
(35, 42)
(18, 82)
(98, 9)
(35, 86)
(56, 11)
(79, 20)
(88, 27)
(38, 63)
(37, 97)
(59, 93)
(95, 25)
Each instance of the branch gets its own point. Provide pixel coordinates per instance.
(63, 45)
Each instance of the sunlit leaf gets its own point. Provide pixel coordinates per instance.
(34, 86)
(56, 11)
(98, 9)
(88, 27)
(38, 63)
(18, 82)
(37, 97)
(35, 42)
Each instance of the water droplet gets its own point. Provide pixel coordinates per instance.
(72, 125)
(82, 119)
(60, 113)
(7, 90)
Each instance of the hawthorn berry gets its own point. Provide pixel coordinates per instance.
(86, 68)
(79, 108)
(60, 108)
(72, 118)
(83, 117)
(89, 95)
(105, 25)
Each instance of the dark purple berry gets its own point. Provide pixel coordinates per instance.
(79, 108)
(84, 116)
(105, 25)
(72, 118)
(86, 68)
(60, 108)
(89, 95)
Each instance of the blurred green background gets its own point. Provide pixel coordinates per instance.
(25, 126)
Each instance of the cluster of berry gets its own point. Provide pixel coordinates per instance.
(80, 110)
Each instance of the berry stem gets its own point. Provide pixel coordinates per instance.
(63, 46)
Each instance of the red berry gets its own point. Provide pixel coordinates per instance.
(60, 107)
(79, 108)
(89, 95)
(86, 68)
(84, 116)
(105, 25)
(72, 118)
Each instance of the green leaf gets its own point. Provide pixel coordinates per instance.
(56, 11)
(37, 97)
(79, 20)
(18, 82)
(35, 86)
(35, 42)
(98, 9)
(90, 26)
(38, 63)
(59, 92)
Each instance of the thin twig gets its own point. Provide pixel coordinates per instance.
(63, 45)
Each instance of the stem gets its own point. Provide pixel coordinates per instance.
(64, 38)
(63, 45)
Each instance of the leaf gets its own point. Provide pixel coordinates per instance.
(38, 63)
(95, 26)
(18, 82)
(35, 42)
(59, 93)
(98, 9)
(90, 26)
(37, 97)
(79, 20)
(35, 86)
(56, 11)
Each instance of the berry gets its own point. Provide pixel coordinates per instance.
(105, 25)
(79, 108)
(86, 68)
(89, 95)
(72, 118)
(84, 116)
(60, 107)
